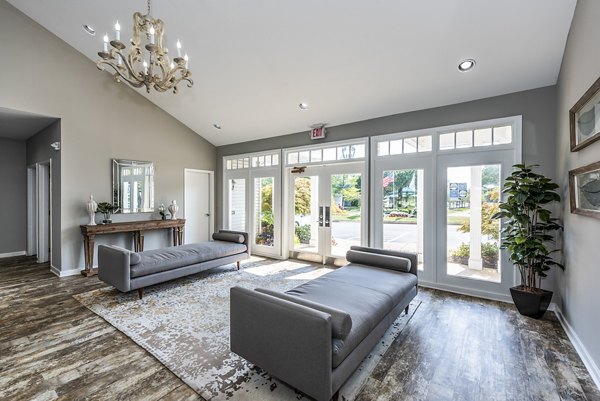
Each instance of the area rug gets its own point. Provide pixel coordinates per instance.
(185, 325)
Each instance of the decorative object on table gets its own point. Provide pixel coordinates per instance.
(91, 207)
(106, 209)
(173, 209)
(205, 362)
(584, 118)
(146, 62)
(133, 186)
(528, 228)
(584, 190)
(162, 211)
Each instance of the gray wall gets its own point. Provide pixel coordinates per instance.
(39, 151)
(100, 120)
(579, 284)
(13, 187)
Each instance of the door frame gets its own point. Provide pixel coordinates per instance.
(39, 211)
(211, 197)
(324, 172)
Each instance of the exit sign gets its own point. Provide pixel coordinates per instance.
(317, 133)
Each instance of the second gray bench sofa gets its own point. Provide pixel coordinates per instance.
(127, 271)
(314, 336)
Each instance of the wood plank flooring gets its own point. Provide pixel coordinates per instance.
(455, 348)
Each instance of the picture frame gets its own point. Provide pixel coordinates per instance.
(584, 190)
(584, 119)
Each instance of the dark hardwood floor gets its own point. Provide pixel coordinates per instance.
(454, 348)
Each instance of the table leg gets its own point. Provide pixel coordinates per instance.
(141, 246)
(136, 241)
(88, 250)
(180, 236)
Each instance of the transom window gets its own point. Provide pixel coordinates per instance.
(404, 146)
(320, 154)
(476, 138)
(245, 162)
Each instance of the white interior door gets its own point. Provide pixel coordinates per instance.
(31, 210)
(198, 205)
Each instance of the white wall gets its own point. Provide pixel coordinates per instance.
(100, 120)
(579, 285)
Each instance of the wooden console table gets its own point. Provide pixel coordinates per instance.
(136, 227)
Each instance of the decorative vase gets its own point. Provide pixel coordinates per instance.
(91, 207)
(107, 219)
(173, 209)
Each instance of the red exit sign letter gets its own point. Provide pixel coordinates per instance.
(317, 133)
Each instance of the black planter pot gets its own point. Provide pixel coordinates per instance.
(532, 304)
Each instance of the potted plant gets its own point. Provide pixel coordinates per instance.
(106, 209)
(528, 229)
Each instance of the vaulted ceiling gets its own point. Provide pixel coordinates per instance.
(253, 62)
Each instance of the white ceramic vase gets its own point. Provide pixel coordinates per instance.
(91, 207)
(173, 209)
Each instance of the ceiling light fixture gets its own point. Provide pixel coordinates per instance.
(89, 29)
(217, 126)
(466, 65)
(151, 68)
(303, 106)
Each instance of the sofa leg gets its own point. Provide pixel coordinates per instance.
(336, 396)
(406, 309)
(238, 265)
(141, 292)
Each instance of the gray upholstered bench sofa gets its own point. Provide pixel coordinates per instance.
(314, 336)
(127, 271)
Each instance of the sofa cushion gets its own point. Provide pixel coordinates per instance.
(341, 322)
(159, 260)
(228, 237)
(377, 260)
(134, 258)
(366, 293)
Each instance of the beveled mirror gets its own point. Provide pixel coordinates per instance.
(133, 186)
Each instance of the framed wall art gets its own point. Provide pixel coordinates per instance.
(584, 190)
(584, 119)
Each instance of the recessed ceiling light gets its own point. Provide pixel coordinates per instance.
(303, 106)
(89, 29)
(466, 65)
(217, 126)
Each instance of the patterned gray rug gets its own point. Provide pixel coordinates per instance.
(185, 325)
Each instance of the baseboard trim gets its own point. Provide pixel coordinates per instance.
(466, 291)
(65, 273)
(12, 254)
(579, 347)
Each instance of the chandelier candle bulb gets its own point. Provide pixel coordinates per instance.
(118, 31)
(151, 31)
(145, 68)
(105, 43)
(178, 48)
(187, 60)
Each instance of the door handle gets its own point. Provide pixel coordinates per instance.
(327, 216)
(320, 216)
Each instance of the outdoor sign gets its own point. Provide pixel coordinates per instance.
(457, 190)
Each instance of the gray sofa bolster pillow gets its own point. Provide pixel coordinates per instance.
(134, 258)
(341, 322)
(229, 237)
(376, 260)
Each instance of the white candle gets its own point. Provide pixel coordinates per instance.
(178, 48)
(187, 60)
(152, 32)
(105, 43)
(118, 31)
(145, 68)
(172, 65)
(118, 60)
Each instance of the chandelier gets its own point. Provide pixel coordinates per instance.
(145, 64)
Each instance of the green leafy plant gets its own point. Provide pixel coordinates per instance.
(303, 233)
(106, 208)
(529, 225)
(489, 254)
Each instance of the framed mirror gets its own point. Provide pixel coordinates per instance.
(133, 186)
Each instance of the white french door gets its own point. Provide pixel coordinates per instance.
(434, 192)
(327, 211)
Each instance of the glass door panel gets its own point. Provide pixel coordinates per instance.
(345, 212)
(306, 213)
(237, 204)
(403, 211)
(473, 238)
(264, 217)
